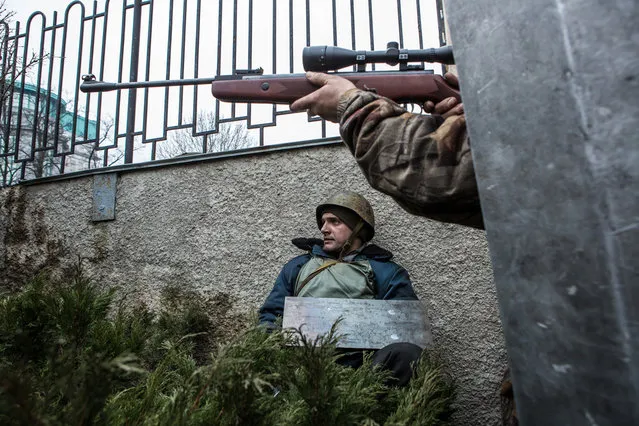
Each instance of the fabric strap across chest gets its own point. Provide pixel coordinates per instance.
(321, 277)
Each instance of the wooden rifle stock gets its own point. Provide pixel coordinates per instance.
(400, 86)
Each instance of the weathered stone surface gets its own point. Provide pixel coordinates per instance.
(223, 228)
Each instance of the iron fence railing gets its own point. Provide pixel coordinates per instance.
(49, 127)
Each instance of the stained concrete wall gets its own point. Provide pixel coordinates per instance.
(223, 228)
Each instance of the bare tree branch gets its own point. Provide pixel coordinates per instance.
(14, 68)
(228, 138)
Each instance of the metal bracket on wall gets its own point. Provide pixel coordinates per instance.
(104, 197)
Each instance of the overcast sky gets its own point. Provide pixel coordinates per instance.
(24, 8)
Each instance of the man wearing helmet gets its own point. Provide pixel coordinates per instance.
(344, 265)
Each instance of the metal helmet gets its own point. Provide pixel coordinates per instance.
(355, 203)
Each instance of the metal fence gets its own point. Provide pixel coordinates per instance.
(48, 127)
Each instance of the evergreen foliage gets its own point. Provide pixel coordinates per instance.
(70, 354)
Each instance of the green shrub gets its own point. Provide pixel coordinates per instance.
(70, 354)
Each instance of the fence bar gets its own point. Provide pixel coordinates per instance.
(133, 76)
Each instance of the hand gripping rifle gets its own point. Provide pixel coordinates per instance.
(410, 84)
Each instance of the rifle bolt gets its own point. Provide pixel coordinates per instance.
(265, 86)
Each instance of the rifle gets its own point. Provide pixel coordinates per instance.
(410, 84)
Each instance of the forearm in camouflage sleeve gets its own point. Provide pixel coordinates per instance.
(422, 161)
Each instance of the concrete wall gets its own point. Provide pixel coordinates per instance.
(223, 228)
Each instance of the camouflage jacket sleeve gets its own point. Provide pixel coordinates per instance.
(422, 161)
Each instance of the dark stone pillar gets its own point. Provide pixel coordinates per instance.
(551, 92)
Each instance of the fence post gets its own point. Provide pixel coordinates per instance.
(133, 76)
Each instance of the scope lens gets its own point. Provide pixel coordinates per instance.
(313, 58)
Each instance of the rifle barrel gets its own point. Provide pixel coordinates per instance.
(90, 85)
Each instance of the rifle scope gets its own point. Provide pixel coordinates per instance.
(328, 58)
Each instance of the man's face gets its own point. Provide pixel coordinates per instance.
(335, 232)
